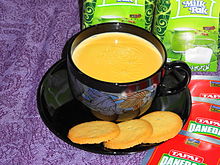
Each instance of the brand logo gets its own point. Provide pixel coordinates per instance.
(214, 84)
(186, 155)
(196, 7)
(205, 126)
(208, 121)
(215, 108)
(192, 142)
(178, 157)
(210, 95)
(200, 67)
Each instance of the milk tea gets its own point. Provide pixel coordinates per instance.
(117, 57)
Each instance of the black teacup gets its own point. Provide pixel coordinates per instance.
(123, 101)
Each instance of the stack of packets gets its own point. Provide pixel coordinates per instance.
(198, 143)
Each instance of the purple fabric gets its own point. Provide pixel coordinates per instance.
(32, 36)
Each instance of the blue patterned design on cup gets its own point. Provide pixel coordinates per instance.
(113, 103)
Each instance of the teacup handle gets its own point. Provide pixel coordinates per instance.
(177, 77)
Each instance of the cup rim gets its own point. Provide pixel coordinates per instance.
(117, 24)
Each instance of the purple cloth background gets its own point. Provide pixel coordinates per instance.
(32, 36)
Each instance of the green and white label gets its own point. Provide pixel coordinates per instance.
(195, 8)
(180, 158)
(205, 126)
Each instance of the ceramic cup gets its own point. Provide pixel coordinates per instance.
(122, 101)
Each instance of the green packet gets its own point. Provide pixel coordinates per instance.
(136, 12)
(189, 30)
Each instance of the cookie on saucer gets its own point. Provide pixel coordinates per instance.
(132, 132)
(93, 132)
(165, 125)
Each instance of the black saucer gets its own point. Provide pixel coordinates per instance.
(60, 111)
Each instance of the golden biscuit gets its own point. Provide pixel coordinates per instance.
(132, 132)
(93, 132)
(165, 125)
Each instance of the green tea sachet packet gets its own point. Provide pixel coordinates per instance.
(135, 12)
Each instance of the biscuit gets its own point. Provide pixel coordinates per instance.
(165, 125)
(93, 132)
(132, 132)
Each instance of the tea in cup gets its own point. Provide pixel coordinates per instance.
(117, 57)
(115, 70)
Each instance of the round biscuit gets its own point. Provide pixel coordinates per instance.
(132, 132)
(93, 132)
(165, 125)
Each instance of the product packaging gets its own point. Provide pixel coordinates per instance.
(205, 86)
(204, 118)
(205, 112)
(136, 12)
(189, 29)
(185, 149)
